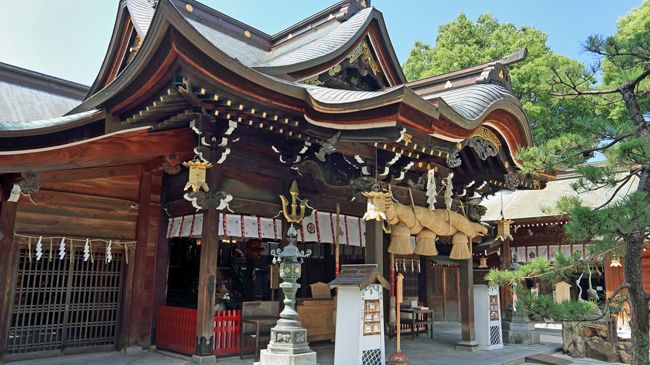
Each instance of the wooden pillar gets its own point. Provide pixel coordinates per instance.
(161, 268)
(9, 254)
(207, 275)
(468, 338)
(374, 253)
(505, 291)
(138, 325)
(162, 257)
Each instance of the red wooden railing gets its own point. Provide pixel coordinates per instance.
(176, 330)
(227, 331)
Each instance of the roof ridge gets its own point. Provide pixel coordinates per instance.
(309, 20)
(40, 81)
(506, 60)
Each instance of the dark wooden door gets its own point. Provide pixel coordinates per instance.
(443, 292)
(64, 306)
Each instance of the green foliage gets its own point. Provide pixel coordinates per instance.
(631, 44)
(544, 308)
(573, 310)
(620, 219)
(614, 129)
(464, 43)
(540, 268)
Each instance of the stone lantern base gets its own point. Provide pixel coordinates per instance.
(288, 346)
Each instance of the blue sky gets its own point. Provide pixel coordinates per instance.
(68, 38)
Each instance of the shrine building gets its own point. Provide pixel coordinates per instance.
(142, 210)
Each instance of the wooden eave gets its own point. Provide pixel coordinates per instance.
(118, 148)
(115, 46)
(172, 44)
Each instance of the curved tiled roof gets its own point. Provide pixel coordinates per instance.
(321, 41)
(243, 52)
(522, 204)
(311, 45)
(31, 125)
(28, 95)
(473, 101)
(141, 13)
(338, 96)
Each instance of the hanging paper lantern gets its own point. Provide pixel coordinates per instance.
(483, 263)
(196, 178)
(616, 262)
(376, 206)
(503, 230)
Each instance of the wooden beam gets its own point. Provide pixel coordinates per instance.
(63, 176)
(124, 148)
(8, 259)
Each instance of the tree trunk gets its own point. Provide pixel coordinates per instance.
(636, 299)
(634, 248)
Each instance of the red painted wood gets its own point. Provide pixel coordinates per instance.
(227, 331)
(176, 330)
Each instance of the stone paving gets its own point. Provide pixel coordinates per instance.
(422, 350)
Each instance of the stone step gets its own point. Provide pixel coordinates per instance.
(547, 359)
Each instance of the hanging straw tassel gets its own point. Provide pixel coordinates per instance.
(29, 249)
(71, 250)
(400, 240)
(51, 240)
(126, 252)
(459, 249)
(425, 243)
(92, 259)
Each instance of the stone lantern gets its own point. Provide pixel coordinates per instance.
(288, 344)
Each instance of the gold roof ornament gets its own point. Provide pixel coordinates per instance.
(616, 262)
(196, 178)
(503, 230)
(294, 215)
(483, 263)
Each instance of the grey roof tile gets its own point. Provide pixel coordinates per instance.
(141, 13)
(44, 123)
(472, 101)
(521, 204)
(311, 45)
(19, 103)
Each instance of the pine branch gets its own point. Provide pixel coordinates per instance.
(577, 91)
(602, 148)
(620, 186)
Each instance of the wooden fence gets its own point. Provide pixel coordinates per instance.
(176, 330)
